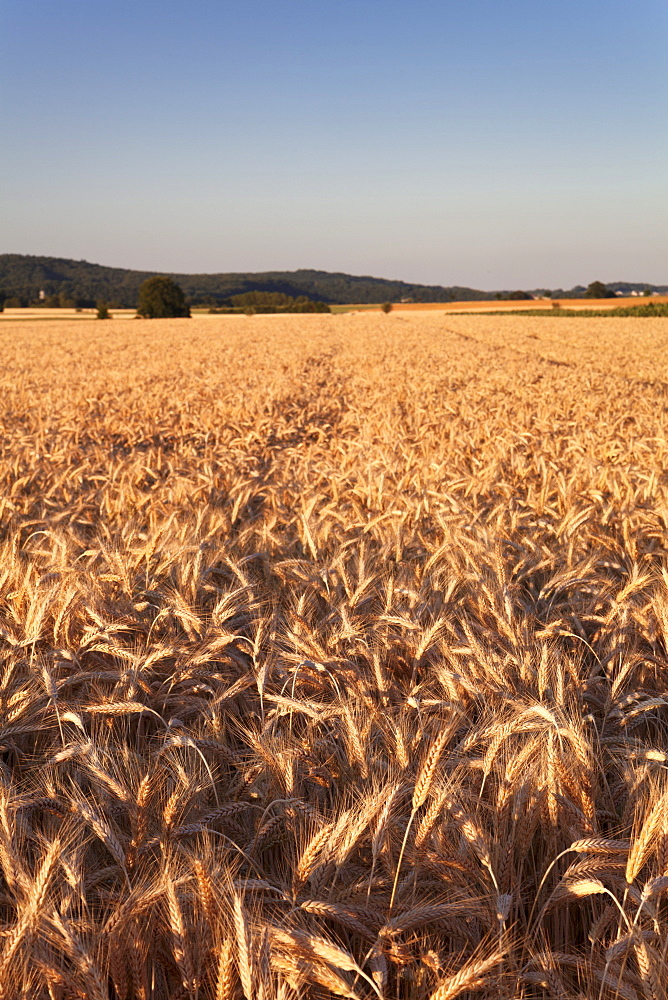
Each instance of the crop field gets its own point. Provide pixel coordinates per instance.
(39, 313)
(519, 305)
(334, 658)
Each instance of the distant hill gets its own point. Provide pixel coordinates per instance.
(76, 282)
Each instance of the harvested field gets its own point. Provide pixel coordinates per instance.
(334, 658)
(519, 305)
(38, 314)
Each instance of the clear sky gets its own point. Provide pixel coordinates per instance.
(492, 143)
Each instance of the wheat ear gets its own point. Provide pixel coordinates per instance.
(225, 980)
(469, 976)
(244, 959)
(420, 793)
(177, 926)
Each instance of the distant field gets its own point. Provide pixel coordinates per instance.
(477, 306)
(496, 305)
(521, 304)
(38, 315)
(334, 657)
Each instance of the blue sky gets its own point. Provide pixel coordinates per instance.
(492, 143)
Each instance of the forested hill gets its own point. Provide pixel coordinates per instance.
(76, 282)
(23, 277)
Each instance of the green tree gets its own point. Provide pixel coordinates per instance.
(161, 298)
(597, 290)
(386, 307)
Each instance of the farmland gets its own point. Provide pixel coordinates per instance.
(40, 313)
(334, 658)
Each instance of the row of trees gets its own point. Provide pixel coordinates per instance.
(161, 297)
(270, 302)
(60, 301)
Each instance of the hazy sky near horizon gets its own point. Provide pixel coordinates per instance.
(472, 142)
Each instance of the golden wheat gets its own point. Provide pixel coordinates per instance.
(334, 658)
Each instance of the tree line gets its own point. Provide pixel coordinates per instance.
(80, 284)
(270, 302)
(83, 284)
(161, 297)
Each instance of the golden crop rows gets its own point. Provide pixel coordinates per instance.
(334, 658)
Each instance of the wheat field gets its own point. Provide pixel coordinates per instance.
(334, 658)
